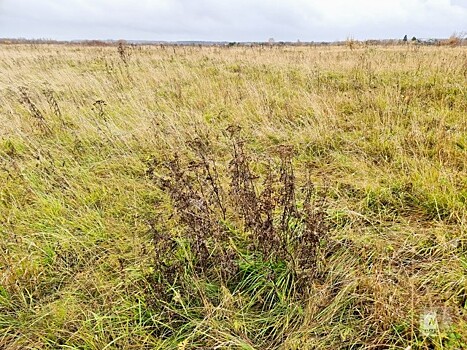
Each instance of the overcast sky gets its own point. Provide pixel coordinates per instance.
(231, 20)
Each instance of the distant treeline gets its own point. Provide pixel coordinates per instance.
(452, 41)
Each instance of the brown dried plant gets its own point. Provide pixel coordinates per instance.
(276, 229)
(25, 99)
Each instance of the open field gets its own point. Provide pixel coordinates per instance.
(233, 198)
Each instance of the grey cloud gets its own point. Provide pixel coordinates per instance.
(240, 20)
(461, 3)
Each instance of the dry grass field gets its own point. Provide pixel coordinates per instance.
(233, 197)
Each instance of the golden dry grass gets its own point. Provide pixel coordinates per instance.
(383, 129)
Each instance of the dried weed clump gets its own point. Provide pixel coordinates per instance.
(263, 206)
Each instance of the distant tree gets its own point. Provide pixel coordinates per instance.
(414, 38)
(351, 43)
(405, 38)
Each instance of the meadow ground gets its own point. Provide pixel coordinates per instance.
(233, 198)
